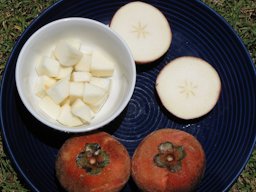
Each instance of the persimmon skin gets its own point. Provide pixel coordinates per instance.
(75, 179)
(151, 178)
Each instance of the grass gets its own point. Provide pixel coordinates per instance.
(15, 16)
(241, 14)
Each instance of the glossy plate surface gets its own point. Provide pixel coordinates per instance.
(227, 133)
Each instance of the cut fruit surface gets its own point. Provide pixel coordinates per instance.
(59, 91)
(66, 54)
(75, 43)
(81, 76)
(48, 66)
(49, 107)
(66, 117)
(101, 66)
(80, 109)
(76, 90)
(43, 83)
(86, 49)
(97, 106)
(188, 87)
(85, 63)
(101, 82)
(92, 94)
(65, 72)
(145, 29)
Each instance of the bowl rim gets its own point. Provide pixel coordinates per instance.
(82, 128)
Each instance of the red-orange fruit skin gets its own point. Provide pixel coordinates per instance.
(151, 178)
(112, 177)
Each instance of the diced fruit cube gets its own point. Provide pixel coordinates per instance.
(81, 76)
(43, 83)
(66, 54)
(80, 109)
(101, 66)
(85, 63)
(75, 43)
(97, 106)
(59, 91)
(66, 117)
(65, 102)
(49, 52)
(48, 66)
(65, 72)
(76, 90)
(92, 93)
(103, 83)
(86, 49)
(49, 107)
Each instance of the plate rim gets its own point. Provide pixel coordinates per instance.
(253, 68)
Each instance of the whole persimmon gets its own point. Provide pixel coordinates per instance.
(95, 162)
(168, 160)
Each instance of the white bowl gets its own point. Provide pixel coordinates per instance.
(98, 36)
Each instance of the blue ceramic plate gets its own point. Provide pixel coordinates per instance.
(227, 133)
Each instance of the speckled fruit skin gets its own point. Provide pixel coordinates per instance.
(112, 178)
(151, 178)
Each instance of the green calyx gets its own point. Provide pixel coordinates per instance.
(170, 156)
(92, 159)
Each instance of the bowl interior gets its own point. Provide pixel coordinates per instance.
(91, 33)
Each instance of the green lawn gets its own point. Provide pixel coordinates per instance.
(16, 15)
